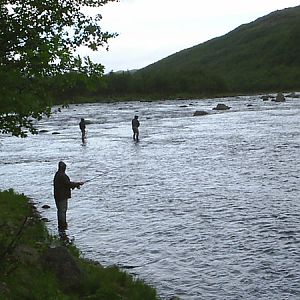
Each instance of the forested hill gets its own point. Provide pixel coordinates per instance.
(260, 57)
(263, 55)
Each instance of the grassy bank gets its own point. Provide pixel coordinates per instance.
(28, 269)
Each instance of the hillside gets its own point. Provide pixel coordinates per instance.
(263, 55)
(259, 57)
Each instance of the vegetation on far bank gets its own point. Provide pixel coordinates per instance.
(259, 57)
(26, 272)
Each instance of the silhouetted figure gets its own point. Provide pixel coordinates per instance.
(135, 128)
(62, 192)
(82, 128)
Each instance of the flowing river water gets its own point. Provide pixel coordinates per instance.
(203, 207)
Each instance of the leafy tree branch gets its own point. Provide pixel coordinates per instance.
(38, 41)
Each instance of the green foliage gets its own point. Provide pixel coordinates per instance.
(38, 42)
(163, 83)
(24, 239)
(18, 222)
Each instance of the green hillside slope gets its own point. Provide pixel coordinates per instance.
(263, 55)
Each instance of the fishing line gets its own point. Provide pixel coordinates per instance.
(91, 179)
(95, 177)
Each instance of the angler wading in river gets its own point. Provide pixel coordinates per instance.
(82, 129)
(135, 128)
(62, 192)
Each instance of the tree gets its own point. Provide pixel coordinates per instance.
(38, 41)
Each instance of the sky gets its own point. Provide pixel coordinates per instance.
(150, 30)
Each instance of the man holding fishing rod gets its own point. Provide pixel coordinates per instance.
(62, 192)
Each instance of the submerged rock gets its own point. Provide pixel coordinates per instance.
(265, 97)
(200, 113)
(221, 106)
(279, 98)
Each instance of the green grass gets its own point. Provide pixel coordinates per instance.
(23, 241)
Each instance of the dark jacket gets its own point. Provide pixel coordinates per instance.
(135, 123)
(62, 186)
(82, 125)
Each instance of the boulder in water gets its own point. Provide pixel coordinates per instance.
(221, 106)
(200, 113)
(265, 97)
(279, 98)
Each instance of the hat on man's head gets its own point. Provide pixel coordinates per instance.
(136, 117)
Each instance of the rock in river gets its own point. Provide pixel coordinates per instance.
(200, 113)
(221, 106)
(279, 98)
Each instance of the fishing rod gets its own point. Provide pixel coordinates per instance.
(95, 177)
(91, 179)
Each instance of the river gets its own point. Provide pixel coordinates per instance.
(202, 207)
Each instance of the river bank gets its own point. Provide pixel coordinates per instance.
(36, 265)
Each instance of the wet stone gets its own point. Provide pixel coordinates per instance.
(221, 106)
(200, 113)
(46, 206)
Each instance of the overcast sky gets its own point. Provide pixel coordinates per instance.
(150, 30)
